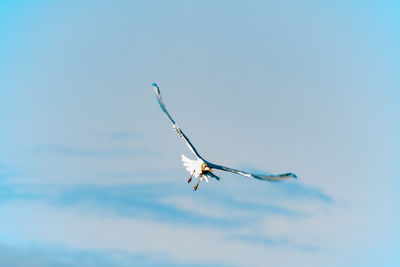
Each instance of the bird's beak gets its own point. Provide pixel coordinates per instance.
(209, 169)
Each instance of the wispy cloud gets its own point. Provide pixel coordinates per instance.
(140, 221)
(282, 242)
(91, 153)
(96, 230)
(299, 191)
(56, 255)
(159, 202)
(124, 135)
(162, 202)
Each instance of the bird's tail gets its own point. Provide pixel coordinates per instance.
(189, 164)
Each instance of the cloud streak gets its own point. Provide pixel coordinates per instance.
(91, 153)
(95, 230)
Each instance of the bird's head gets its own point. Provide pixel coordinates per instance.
(205, 168)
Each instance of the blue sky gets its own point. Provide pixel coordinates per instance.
(90, 171)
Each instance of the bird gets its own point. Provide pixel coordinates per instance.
(204, 170)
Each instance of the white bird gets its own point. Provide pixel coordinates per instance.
(203, 169)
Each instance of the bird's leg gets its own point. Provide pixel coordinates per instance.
(190, 179)
(197, 185)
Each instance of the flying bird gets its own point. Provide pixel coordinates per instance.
(201, 168)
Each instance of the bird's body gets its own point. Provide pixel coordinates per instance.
(203, 169)
(198, 169)
(193, 167)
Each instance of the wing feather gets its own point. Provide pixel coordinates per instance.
(267, 177)
(174, 125)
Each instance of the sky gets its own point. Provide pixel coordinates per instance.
(90, 171)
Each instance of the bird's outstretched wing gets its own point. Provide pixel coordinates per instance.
(268, 177)
(174, 125)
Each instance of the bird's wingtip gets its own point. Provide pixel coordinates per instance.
(157, 89)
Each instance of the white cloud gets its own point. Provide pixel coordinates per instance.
(81, 228)
(205, 207)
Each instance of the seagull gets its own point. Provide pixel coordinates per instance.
(201, 168)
